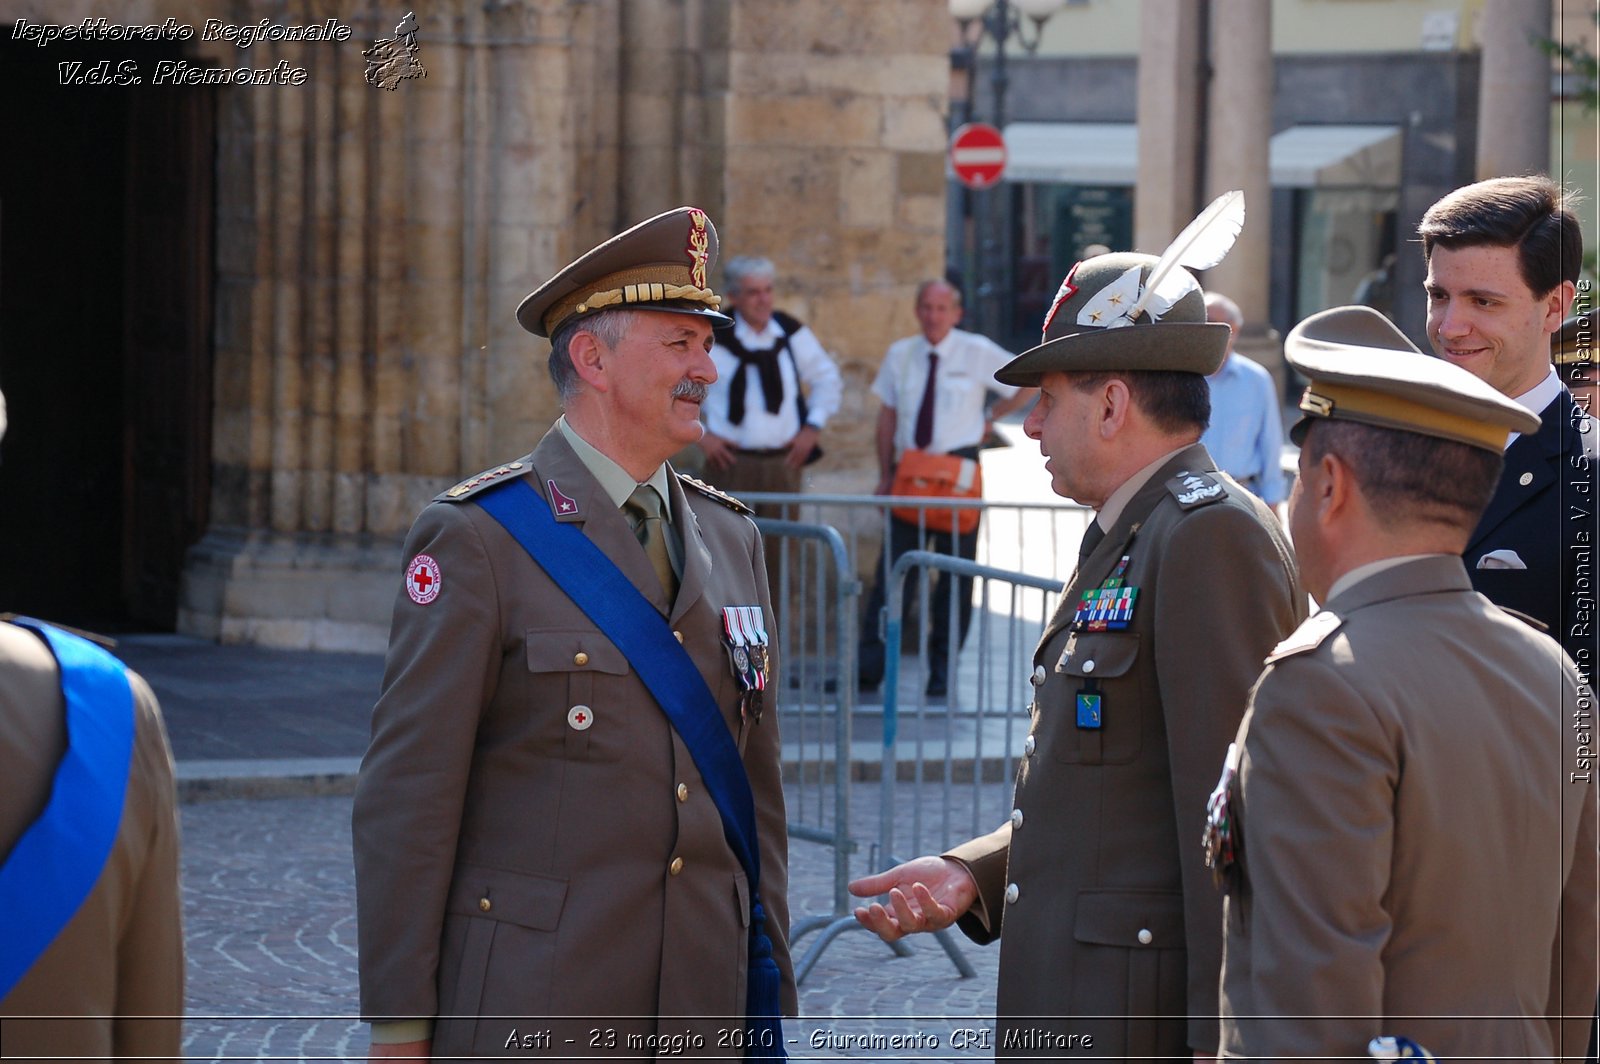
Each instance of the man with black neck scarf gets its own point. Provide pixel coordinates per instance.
(775, 390)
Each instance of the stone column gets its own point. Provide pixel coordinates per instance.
(831, 122)
(372, 247)
(1513, 89)
(1169, 119)
(1236, 148)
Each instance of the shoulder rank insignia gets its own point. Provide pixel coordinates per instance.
(1308, 636)
(713, 493)
(1196, 489)
(472, 484)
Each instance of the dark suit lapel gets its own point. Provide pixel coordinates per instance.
(1532, 465)
(561, 478)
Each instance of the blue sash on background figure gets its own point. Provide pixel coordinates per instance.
(608, 598)
(58, 860)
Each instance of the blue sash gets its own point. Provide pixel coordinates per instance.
(58, 860)
(608, 598)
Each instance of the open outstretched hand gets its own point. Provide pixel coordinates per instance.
(927, 894)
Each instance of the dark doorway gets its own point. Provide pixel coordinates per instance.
(106, 210)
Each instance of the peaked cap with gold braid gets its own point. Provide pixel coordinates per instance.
(1362, 368)
(662, 263)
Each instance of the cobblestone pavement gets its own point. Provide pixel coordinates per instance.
(270, 919)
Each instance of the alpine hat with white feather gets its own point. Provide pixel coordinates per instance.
(1127, 311)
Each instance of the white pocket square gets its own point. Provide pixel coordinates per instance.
(1501, 559)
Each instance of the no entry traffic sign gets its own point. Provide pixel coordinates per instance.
(978, 155)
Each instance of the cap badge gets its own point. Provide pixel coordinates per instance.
(699, 248)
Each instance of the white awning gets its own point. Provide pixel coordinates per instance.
(1107, 153)
(1072, 153)
(1336, 156)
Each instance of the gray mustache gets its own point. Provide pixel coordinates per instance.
(688, 389)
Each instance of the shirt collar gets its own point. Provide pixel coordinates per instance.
(1535, 399)
(749, 336)
(1118, 500)
(615, 481)
(1362, 572)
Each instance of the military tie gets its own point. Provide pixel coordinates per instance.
(1091, 539)
(924, 431)
(649, 525)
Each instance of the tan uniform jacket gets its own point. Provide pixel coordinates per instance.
(513, 866)
(121, 955)
(1115, 915)
(1415, 857)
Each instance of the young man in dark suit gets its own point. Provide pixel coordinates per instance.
(1503, 259)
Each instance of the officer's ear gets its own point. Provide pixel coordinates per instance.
(1116, 402)
(1337, 488)
(590, 359)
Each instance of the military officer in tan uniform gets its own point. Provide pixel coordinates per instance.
(1406, 822)
(91, 929)
(533, 838)
(1109, 924)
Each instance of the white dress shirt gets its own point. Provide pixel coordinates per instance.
(761, 430)
(967, 365)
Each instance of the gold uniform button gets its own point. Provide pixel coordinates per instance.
(683, 792)
(676, 866)
(580, 658)
(485, 904)
(678, 636)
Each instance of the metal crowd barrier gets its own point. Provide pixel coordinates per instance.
(943, 753)
(971, 739)
(814, 593)
(1040, 538)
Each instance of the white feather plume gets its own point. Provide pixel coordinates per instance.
(1203, 243)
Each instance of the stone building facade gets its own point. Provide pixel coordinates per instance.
(358, 254)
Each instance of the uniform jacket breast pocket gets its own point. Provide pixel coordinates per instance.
(1099, 684)
(576, 676)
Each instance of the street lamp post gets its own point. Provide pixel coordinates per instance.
(1000, 21)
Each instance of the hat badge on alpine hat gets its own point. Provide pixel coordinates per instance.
(1363, 369)
(1127, 311)
(663, 263)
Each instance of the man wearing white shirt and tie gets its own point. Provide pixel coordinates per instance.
(934, 389)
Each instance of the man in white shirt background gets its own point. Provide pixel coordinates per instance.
(934, 389)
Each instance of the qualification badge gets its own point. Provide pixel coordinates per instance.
(746, 641)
